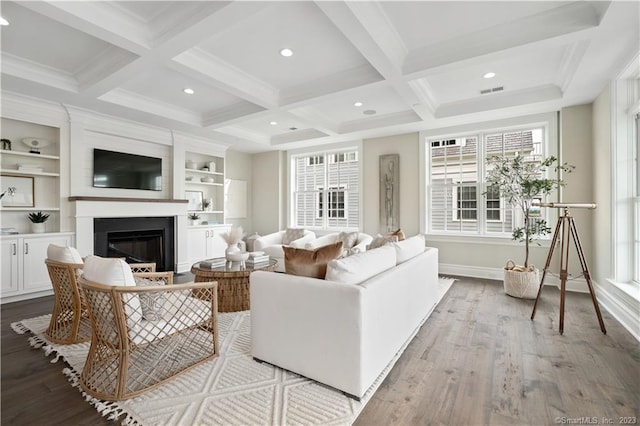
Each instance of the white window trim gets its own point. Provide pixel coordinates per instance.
(326, 149)
(547, 121)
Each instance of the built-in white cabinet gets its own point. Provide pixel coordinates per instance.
(24, 273)
(206, 242)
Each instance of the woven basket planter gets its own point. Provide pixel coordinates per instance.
(519, 282)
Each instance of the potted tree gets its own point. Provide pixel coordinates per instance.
(522, 184)
(38, 220)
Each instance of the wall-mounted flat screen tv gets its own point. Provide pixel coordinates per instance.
(129, 171)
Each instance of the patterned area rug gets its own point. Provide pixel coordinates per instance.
(232, 389)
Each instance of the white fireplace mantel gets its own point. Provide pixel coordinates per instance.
(85, 209)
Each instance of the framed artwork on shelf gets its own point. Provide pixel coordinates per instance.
(194, 199)
(17, 191)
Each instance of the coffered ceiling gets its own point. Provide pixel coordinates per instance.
(413, 65)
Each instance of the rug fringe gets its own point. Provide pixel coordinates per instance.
(19, 328)
(108, 409)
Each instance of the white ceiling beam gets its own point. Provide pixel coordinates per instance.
(568, 19)
(97, 19)
(368, 28)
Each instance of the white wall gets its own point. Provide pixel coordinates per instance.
(601, 178)
(267, 194)
(407, 147)
(238, 165)
(576, 149)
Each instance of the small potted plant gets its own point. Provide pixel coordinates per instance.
(522, 184)
(38, 220)
(194, 218)
(207, 204)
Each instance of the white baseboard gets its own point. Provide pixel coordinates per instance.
(578, 285)
(621, 306)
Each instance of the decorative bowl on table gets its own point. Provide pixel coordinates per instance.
(237, 256)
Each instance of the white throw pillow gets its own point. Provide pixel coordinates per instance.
(360, 267)
(409, 248)
(63, 254)
(116, 272)
(292, 234)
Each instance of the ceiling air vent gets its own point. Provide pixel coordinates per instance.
(492, 90)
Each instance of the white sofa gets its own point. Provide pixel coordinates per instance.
(361, 243)
(344, 334)
(271, 244)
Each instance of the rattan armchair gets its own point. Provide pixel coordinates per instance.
(132, 351)
(70, 319)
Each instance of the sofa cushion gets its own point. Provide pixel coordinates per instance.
(398, 233)
(310, 263)
(116, 272)
(292, 234)
(360, 267)
(409, 248)
(63, 254)
(382, 240)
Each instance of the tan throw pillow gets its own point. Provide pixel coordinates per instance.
(310, 263)
(349, 239)
(292, 234)
(398, 233)
(381, 240)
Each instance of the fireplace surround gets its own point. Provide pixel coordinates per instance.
(88, 208)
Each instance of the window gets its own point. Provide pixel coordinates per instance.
(336, 205)
(458, 199)
(326, 192)
(465, 203)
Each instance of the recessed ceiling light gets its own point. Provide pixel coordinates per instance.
(273, 123)
(489, 75)
(358, 104)
(286, 52)
(188, 91)
(3, 21)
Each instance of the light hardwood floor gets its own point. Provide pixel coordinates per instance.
(478, 360)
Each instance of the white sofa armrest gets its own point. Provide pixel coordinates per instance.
(268, 240)
(309, 326)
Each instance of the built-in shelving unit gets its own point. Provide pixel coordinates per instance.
(205, 173)
(42, 174)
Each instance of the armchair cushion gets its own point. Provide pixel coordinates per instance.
(116, 272)
(63, 254)
(310, 263)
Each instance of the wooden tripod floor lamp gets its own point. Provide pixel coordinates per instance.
(566, 230)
